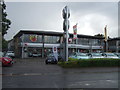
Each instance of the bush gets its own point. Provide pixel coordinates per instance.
(100, 62)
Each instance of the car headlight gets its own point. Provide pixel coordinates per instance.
(6, 59)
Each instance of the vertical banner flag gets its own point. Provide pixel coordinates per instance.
(55, 52)
(105, 32)
(75, 31)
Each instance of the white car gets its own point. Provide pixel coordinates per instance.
(10, 53)
(111, 55)
(96, 55)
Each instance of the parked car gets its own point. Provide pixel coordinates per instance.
(10, 54)
(96, 55)
(110, 55)
(118, 54)
(51, 59)
(59, 57)
(36, 55)
(79, 56)
(6, 61)
(30, 54)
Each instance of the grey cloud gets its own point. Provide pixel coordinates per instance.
(48, 15)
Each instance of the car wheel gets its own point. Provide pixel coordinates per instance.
(55, 62)
(46, 62)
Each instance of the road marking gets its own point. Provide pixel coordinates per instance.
(87, 84)
(28, 74)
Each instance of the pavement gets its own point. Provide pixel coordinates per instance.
(34, 73)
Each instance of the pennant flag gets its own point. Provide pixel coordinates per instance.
(75, 31)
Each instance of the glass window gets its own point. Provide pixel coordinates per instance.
(32, 38)
(52, 39)
(83, 41)
(95, 41)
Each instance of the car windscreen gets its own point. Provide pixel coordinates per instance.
(96, 54)
(118, 54)
(110, 54)
(50, 55)
(81, 54)
(10, 52)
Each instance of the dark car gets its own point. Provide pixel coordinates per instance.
(59, 57)
(51, 59)
(34, 55)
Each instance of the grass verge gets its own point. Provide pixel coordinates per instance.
(100, 62)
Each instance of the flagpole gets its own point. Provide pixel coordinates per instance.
(76, 40)
(106, 42)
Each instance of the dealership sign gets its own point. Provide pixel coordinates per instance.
(33, 38)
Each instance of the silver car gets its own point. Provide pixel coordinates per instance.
(10, 53)
(96, 55)
(118, 54)
(111, 55)
(80, 56)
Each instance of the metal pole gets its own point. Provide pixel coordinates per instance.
(106, 46)
(67, 36)
(90, 45)
(23, 46)
(76, 45)
(43, 46)
(117, 46)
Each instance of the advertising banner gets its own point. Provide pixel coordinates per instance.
(75, 31)
(55, 52)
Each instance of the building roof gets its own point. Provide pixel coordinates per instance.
(53, 33)
(117, 38)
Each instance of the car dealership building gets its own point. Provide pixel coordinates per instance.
(28, 42)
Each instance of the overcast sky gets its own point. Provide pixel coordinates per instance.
(90, 16)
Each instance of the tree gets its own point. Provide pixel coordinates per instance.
(5, 25)
(99, 35)
(5, 22)
(4, 45)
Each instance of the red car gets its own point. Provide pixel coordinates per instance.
(6, 61)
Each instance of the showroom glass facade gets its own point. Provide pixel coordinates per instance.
(32, 38)
(114, 45)
(38, 39)
(89, 41)
(43, 42)
(51, 39)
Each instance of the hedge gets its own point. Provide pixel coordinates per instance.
(100, 62)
